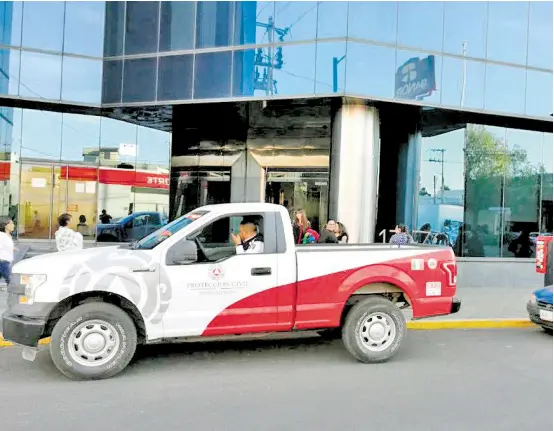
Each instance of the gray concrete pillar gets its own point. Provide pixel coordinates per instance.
(354, 172)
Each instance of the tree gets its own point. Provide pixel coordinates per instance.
(488, 156)
(424, 192)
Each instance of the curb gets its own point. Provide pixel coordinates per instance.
(470, 324)
(414, 325)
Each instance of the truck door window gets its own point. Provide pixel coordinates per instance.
(215, 240)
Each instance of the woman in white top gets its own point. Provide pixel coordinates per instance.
(67, 238)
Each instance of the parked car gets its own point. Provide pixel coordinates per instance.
(539, 308)
(131, 228)
(196, 278)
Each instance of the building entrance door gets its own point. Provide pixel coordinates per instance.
(49, 190)
(300, 190)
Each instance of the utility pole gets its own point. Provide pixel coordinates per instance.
(270, 61)
(336, 62)
(441, 161)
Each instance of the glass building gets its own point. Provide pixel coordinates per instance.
(437, 115)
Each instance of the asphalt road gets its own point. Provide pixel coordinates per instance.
(442, 380)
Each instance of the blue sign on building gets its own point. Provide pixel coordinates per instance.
(415, 79)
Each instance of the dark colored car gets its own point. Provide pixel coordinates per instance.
(540, 308)
(130, 228)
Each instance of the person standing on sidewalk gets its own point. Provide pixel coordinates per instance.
(6, 248)
(67, 238)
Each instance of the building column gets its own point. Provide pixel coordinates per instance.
(354, 172)
(409, 162)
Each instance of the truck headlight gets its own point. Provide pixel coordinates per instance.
(31, 282)
(533, 299)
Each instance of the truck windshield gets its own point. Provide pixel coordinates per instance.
(159, 236)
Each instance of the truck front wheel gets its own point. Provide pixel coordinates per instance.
(374, 330)
(93, 341)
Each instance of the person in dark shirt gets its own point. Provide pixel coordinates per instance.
(105, 218)
(328, 235)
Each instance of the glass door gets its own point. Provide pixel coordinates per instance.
(77, 196)
(35, 201)
(47, 191)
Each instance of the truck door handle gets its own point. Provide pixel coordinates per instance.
(260, 271)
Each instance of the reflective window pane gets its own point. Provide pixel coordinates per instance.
(111, 81)
(485, 155)
(370, 70)
(177, 25)
(82, 80)
(10, 22)
(505, 89)
(41, 135)
(540, 35)
(330, 74)
(295, 21)
(465, 26)
(214, 24)
(420, 25)
(295, 76)
(463, 84)
(434, 163)
(212, 75)
(507, 31)
(522, 192)
(141, 28)
(115, 28)
(247, 16)
(375, 20)
(152, 188)
(175, 77)
(417, 76)
(9, 72)
(80, 138)
(84, 28)
(38, 35)
(250, 75)
(539, 94)
(332, 19)
(40, 76)
(139, 80)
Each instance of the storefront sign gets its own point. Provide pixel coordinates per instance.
(123, 177)
(415, 79)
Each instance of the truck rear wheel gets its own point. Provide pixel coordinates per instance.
(93, 341)
(374, 330)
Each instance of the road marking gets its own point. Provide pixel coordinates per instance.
(425, 325)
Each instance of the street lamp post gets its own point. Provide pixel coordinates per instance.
(336, 62)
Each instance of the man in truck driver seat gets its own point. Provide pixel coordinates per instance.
(248, 240)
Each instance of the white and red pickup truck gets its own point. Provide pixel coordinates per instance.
(188, 281)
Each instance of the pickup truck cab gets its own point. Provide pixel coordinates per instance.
(188, 281)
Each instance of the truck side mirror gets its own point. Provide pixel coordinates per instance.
(182, 253)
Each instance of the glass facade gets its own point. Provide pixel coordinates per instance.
(96, 92)
(486, 190)
(84, 165)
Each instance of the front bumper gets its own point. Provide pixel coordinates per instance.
(23, 323)
(534, 315)
(21, 330)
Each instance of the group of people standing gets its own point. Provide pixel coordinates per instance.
(333, 232)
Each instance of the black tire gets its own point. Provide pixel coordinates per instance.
(355, 319)
(547, 330)
(99, 311)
